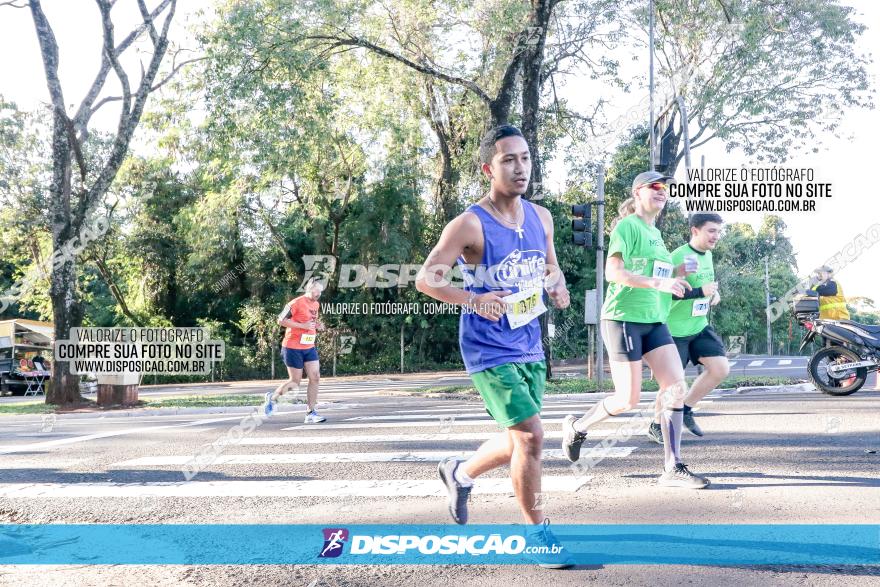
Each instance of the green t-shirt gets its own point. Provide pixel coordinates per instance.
(643, 252)
(689, 317)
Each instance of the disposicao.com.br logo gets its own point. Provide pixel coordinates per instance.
(448, 544)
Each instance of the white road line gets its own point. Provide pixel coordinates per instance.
(782, 368)
(459, 416)
(756, 363)
(785, 361)
(439, 410)
(431, 424)
(50, 444)
(376, 438)
(317, 488)
(481, 408)
(437, 417)
(613, 452)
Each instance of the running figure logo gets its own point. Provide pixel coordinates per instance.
(334, 539)
(319, 267)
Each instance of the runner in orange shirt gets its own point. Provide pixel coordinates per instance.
(300, 318)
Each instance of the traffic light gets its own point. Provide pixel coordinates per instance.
(581, 224)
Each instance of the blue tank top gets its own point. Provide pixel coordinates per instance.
(509, 262)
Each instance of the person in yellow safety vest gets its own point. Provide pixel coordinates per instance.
(832, 303)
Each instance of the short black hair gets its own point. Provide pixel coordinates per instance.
(487, 145)
(698, 220)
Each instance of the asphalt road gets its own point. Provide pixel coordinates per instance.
(773, 458)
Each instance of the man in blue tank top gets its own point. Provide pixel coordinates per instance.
(504, 248)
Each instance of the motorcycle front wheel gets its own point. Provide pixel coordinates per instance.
(851, 380)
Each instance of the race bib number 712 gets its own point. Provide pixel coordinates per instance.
(701, 307)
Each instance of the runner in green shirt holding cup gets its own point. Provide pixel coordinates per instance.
(642, 281)
(688, 318)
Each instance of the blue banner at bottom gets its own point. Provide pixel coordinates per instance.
(438, 544)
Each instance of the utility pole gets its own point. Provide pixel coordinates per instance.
(767, 300)
(600, 274)
(581, 236)
(651, 80)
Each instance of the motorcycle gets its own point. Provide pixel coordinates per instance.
(850, 349)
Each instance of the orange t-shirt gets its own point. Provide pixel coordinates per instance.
(301, 309)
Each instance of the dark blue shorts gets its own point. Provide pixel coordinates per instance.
(296, 358)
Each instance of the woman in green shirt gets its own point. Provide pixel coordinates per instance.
(641, 283)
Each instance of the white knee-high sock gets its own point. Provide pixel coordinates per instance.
(595, 414)
(671, 424)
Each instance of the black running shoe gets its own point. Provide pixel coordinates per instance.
(655, 433)
(572, 439)
(681, 477)
(458, 494)
(690, 424)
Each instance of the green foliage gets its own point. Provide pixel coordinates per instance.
(306, 145)
(769, 78)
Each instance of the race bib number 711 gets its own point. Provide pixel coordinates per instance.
(662, 269)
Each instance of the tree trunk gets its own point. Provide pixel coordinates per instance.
(532, 63)
(66, 308)
(67, 314)
(445, 204)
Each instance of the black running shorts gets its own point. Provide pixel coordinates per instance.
(705, 343)
(628, 341)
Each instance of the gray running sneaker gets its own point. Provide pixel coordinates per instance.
(681, 477)
(690, 424)
(655, 433)
(554, 556)
(458, 493)
(571, 439)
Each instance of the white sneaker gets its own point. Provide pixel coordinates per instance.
(314, 418)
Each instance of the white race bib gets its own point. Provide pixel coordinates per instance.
(701, 307)
(307, 339)
(662, 269)
(524, 306)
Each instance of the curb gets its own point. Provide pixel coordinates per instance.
(799, 388)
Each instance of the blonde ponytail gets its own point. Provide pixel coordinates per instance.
(627, 207)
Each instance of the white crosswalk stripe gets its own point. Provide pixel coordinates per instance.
(460, 416)
(288, 489)
(440, 437)
(356, 457)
